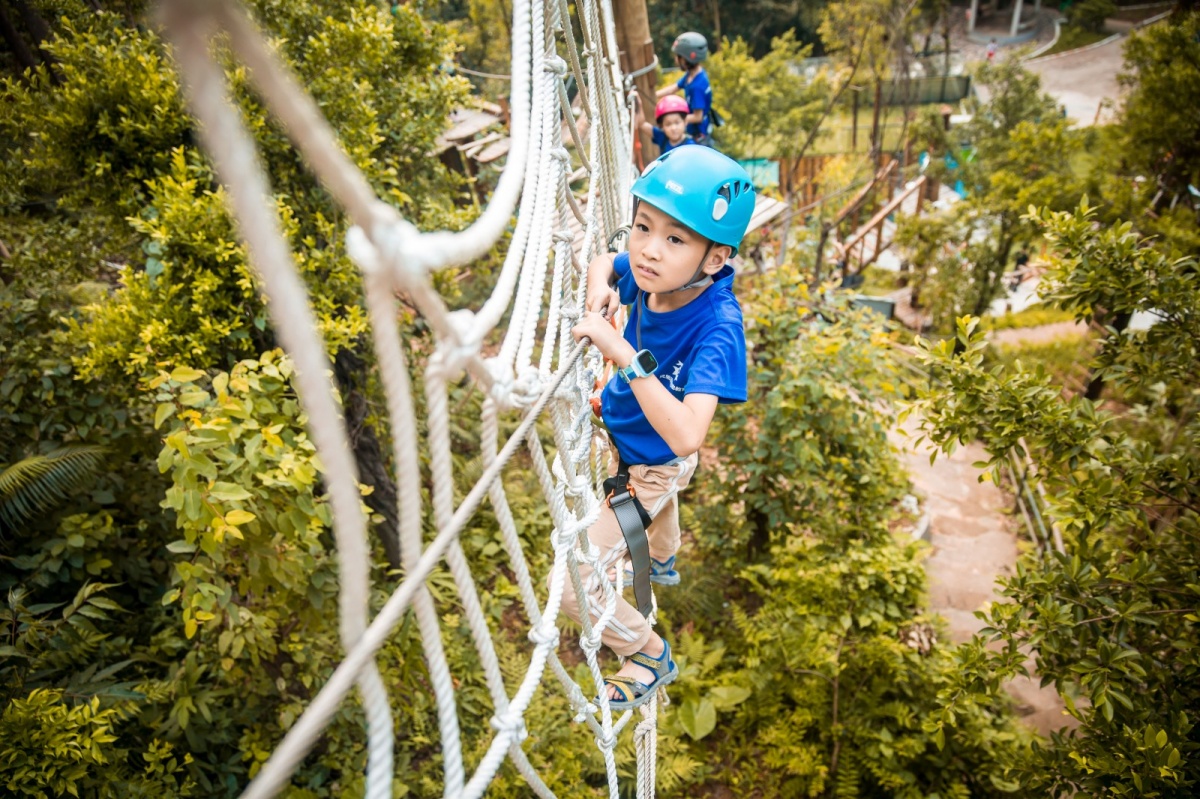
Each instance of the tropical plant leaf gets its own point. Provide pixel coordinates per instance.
(37, 484)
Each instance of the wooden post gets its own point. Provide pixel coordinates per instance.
(637, 51)
(971, 19)
(875, 143)
(854, 129)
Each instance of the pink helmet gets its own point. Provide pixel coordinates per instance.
(671, 104)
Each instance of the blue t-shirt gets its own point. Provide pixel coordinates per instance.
(664, 144)
(699, 96)
(700, 349)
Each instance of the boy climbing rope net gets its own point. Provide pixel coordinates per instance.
(670, 128)
(690, 50)
(682, 353)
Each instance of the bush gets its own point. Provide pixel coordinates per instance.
(1090, 15)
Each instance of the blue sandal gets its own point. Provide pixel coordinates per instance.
(635, 693)
(662, 572)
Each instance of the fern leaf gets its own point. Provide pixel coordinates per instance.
(37, 484)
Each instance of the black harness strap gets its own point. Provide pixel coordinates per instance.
(633, 520)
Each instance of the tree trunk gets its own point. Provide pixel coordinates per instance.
(25, 57)
(40, 32)
(818, 264)
(34, 23)
(1095, 386)
(760, 533)
(372, 464)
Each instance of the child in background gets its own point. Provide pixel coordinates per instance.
(690, 50)
(671, 131)
(691, 210)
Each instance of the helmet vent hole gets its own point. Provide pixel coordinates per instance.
(721, 204)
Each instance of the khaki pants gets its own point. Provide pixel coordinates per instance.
(657, 487)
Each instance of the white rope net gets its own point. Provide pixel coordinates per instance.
(542, 278)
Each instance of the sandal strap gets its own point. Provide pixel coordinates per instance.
(629, 687)
(659, 665)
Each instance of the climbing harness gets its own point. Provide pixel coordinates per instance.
(633, 520)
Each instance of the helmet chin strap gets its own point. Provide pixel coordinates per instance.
(699, 279)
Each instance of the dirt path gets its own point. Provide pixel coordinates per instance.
(1082, 80)
(974, 541)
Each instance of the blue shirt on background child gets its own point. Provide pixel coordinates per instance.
(698, 94)
(664, 144)
(700, 349)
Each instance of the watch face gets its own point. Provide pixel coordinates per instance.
(646, 361)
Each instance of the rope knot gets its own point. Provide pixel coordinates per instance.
(544, 633)
(563, 236)
(390, 246)
(502, 383)
(556, 65)
(527, 387)
(579, 486)
(590, 642)
(561, 155)
(463, 343)
(645, 727)
(512, 724)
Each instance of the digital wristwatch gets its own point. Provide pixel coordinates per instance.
(642, 365)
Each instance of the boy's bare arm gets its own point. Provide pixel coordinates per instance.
(683, 425)
(640, 118)
(670, 88)
(695, 117)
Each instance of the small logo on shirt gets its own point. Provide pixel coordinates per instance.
(670, 379)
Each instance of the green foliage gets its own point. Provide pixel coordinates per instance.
(770, 107)
(1111, 622)
(1034, 316)
(704, 687)
(1089, 15)
(808, 449)
(1150, 156)
(94, 136)
(244, 480)
(843, 670)
(1066, 360)
(1016, 151)
(61, 741)
(57, 749)
(122, 262)
(822, 668)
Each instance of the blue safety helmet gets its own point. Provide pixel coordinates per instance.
(707, 191)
